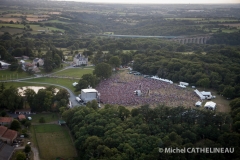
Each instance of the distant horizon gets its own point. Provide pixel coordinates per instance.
(159, 1)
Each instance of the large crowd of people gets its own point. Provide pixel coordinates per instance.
(120, 89)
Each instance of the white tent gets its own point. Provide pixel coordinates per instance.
(74, 84)
(199, 94)
(210, 105)
(182, 86)
(184, 83)
(198, 104)
(208, 95)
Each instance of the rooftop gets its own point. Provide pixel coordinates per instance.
(89, 90)
(10, 134)
(6, 119)
(2, 130)
(21, 117)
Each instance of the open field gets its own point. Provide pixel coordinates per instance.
(49, 117)
(55, 21)
(5, 19)
(12, 25)
(53, 141)
(67, 82)
(205, 20)
(10, 75)
(231, 24)
(74, 72)
(11, 30)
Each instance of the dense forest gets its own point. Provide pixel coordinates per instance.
(117, 133)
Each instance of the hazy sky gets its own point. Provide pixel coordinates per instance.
(163, 1)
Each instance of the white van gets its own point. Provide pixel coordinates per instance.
(78, 99)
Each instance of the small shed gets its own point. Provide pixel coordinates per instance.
(210, 105)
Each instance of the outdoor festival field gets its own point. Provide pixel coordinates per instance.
(119, 89)
(54, 141)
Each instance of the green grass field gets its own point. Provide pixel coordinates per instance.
(53, 141)
(74, 72)
(12, 25)
(49, 117)
(60, 81)
(10, 75)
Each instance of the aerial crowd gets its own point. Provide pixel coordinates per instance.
(121, 89)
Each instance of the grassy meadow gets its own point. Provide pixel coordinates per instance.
(11, 75)
(49, 117)
(74, 72)
(67, 82)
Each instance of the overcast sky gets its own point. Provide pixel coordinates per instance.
(163, 1)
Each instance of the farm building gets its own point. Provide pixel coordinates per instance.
(89, 95)
(23, 111)
(5, 121)
(210, 105)
(4, 65)
(7, 135)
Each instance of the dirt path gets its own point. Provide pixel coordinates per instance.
(35, 153)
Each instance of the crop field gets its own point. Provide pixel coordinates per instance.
(10, 19)
(232, 25)
(35, 19)
(205, 20)
(56, 21)
(11, 30)
(12, 25)
(54, 141)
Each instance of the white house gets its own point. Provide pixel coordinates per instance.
(210, 105)
(80, 59)
(38, 61)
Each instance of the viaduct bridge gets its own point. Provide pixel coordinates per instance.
(198, 39)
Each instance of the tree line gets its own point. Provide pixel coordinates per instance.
(44, 100)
